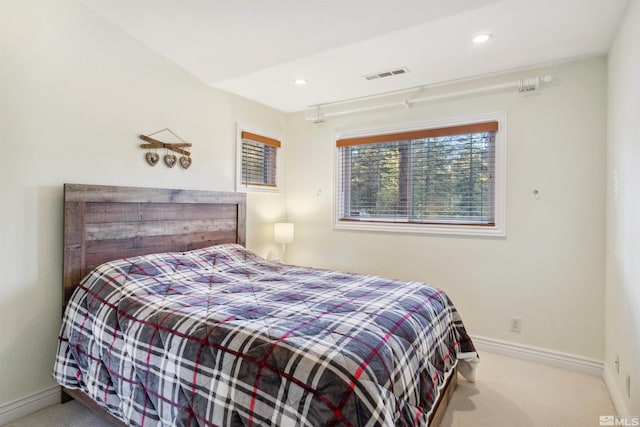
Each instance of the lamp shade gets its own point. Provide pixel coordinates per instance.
(283, 232)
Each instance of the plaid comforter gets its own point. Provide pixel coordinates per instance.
(219, 336)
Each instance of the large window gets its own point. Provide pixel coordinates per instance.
(258, 162)
(436, 179)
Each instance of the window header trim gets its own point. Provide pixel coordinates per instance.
(491, 126)
(261, 139)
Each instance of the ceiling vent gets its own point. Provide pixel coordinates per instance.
(389, 73)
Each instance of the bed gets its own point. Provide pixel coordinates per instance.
(170, 320)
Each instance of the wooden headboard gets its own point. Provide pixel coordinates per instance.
(103, 223)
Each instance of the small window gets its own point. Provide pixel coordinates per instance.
(437, 179)
(258, 162)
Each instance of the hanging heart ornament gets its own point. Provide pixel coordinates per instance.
(185, 162)
(152, 158)
(170, 160)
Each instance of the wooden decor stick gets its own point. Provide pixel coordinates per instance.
(154, 143)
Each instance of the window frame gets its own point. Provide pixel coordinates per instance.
(497, 230)
(240, 187)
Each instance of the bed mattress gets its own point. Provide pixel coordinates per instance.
(221, 337)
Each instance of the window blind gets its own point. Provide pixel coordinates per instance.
(259, 159)
(443, 175)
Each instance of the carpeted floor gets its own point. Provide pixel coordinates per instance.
(512, 392)
(508, 392)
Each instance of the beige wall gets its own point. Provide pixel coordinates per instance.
(75, 92)
(549, 270)
(623, 212)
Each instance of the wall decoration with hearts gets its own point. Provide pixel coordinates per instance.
(152, 158)
(170, 159)
(185, 161)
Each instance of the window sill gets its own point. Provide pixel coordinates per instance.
(413, 228)
(258, 189)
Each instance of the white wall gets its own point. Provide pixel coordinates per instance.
(75, 93)
(623, 212)
(549, 270)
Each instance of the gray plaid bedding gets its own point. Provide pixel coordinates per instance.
(219, 336)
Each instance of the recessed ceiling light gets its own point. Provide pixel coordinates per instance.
(300, 82)
(481, 38)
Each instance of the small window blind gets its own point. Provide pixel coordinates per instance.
(259, 155)
(441, 176)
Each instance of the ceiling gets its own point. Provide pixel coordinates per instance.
(257, 48)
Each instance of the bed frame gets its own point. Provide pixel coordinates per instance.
(102, 223)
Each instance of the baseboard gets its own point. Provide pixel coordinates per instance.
(29, 404)
(540, 355)
(616, 397)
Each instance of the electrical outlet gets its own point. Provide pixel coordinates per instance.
(628, 382)
(617, 363)
(516, 324)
